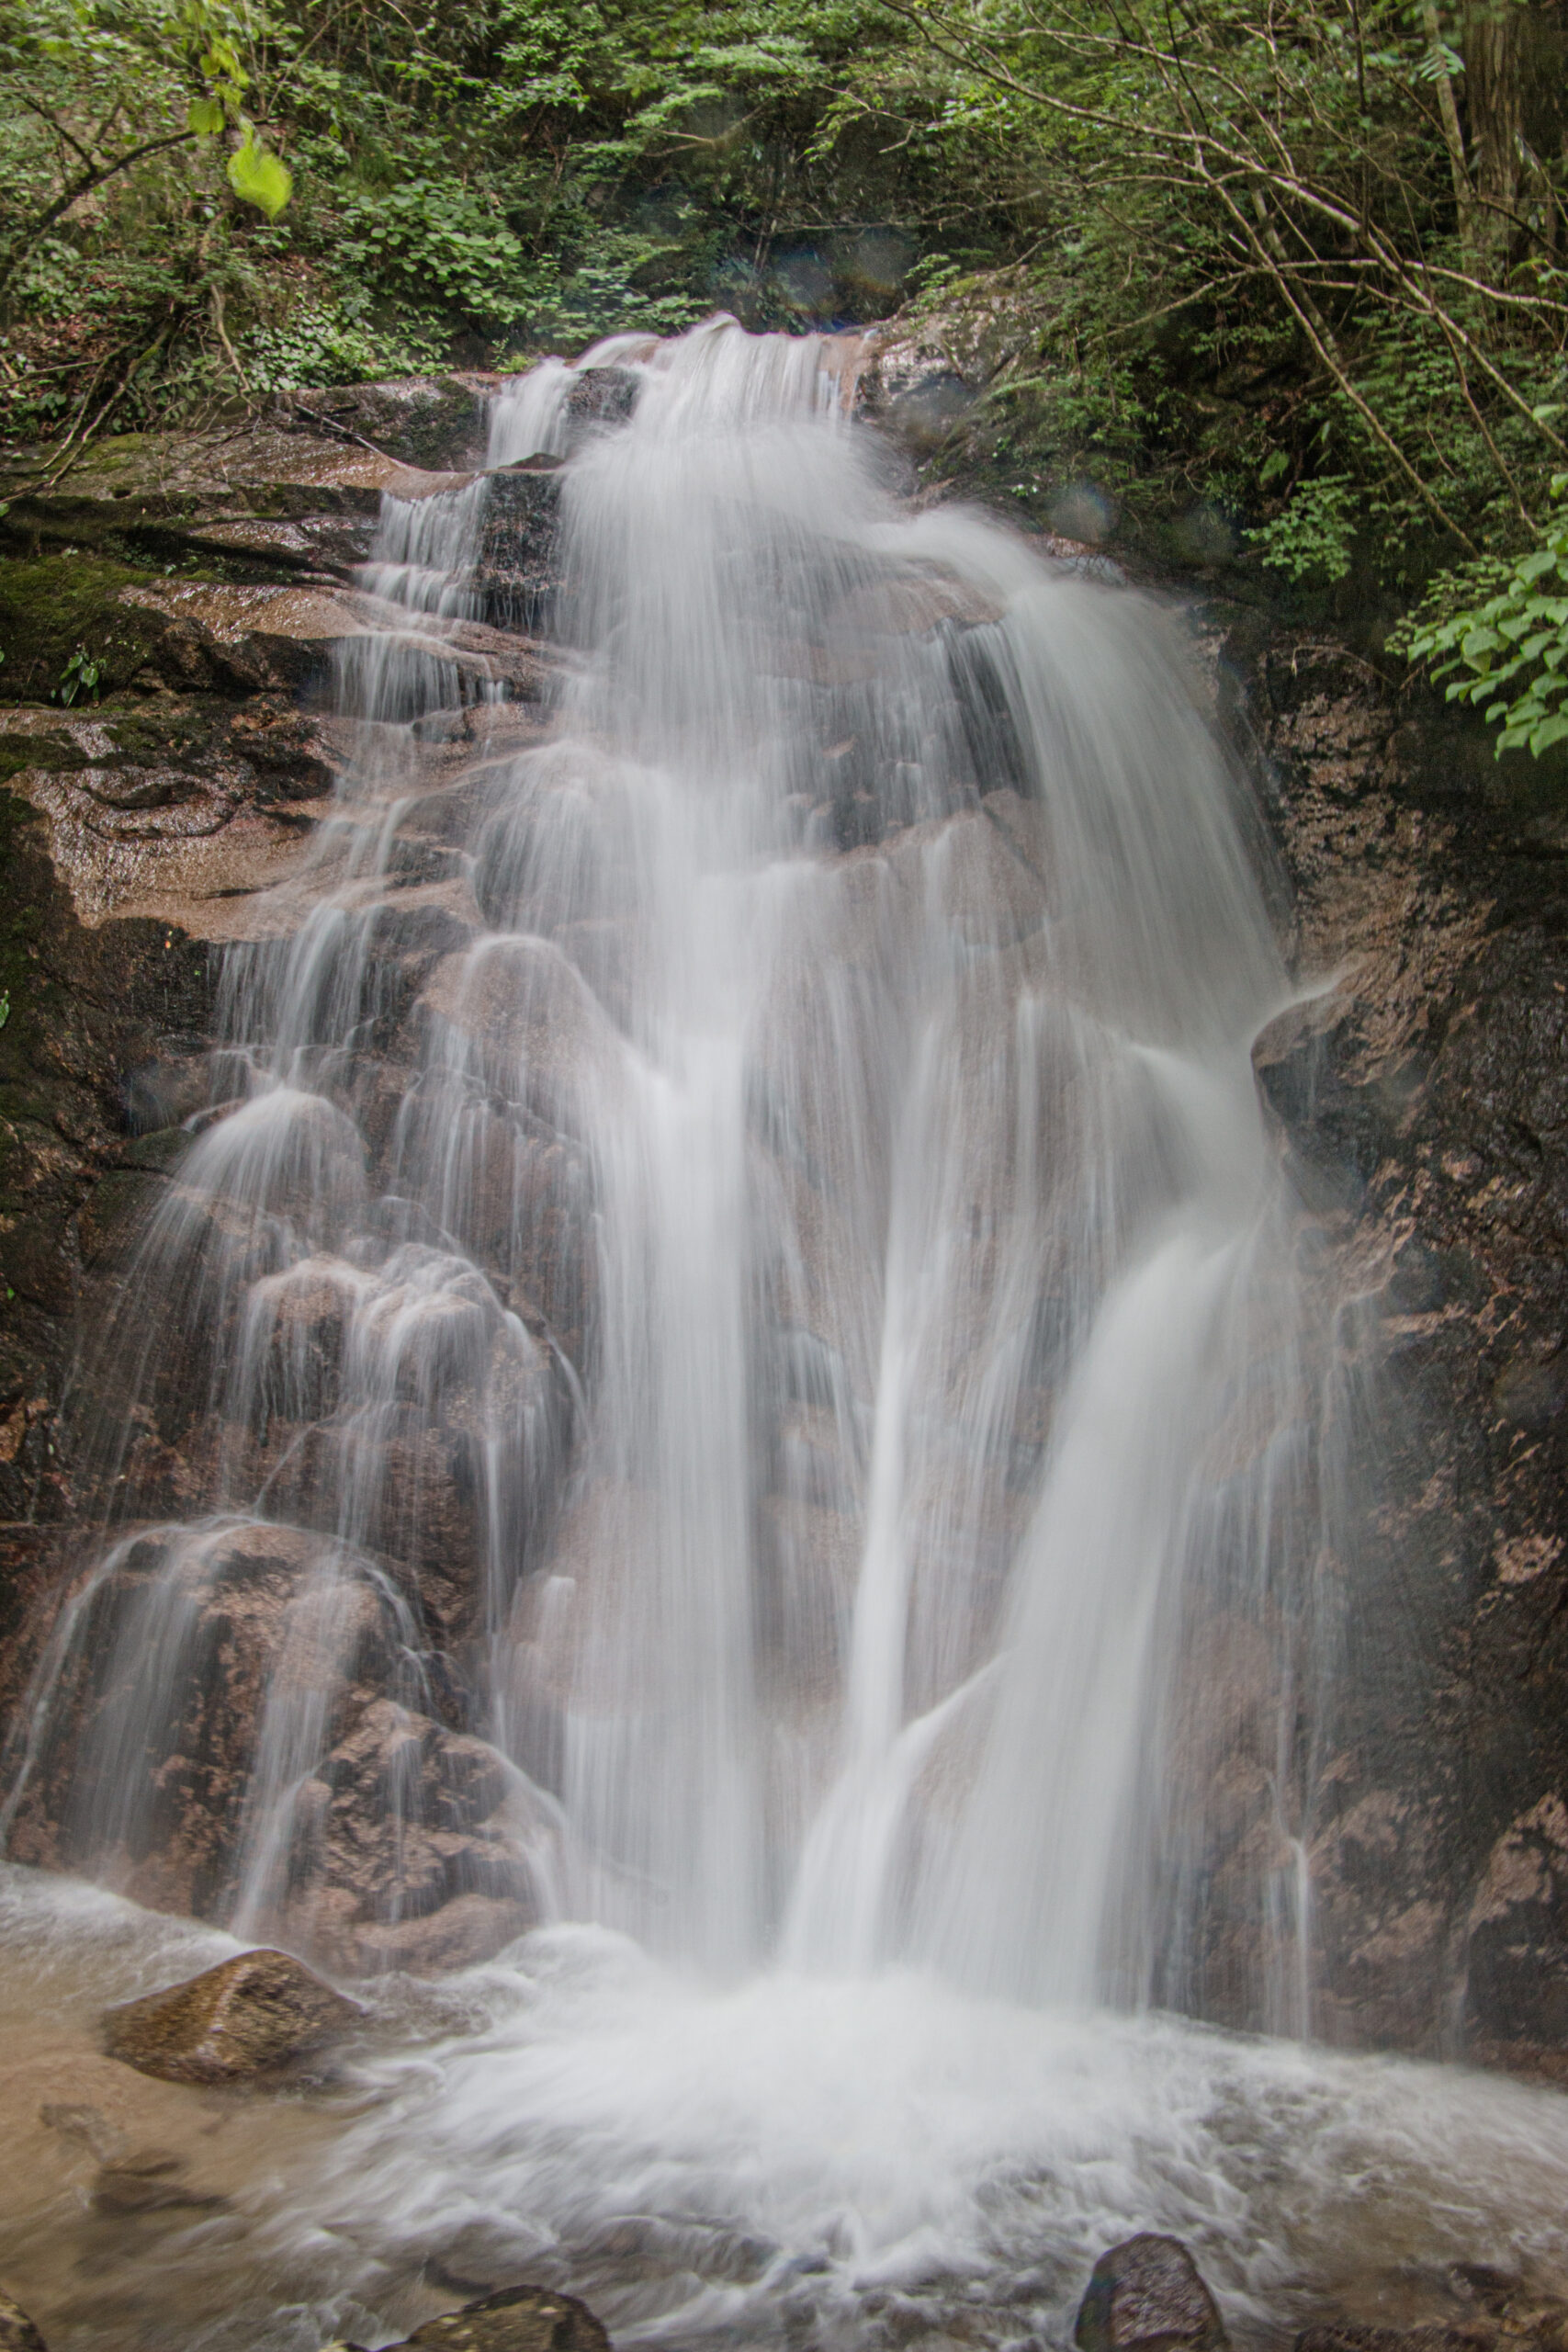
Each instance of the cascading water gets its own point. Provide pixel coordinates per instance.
(744, 1434)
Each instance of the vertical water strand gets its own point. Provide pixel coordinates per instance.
(661, 1750)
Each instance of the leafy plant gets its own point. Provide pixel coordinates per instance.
(1313, 538)
(81, 675)
(1508, 652)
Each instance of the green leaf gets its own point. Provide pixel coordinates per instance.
(1551, 730)
(258, 176)
(206, 117)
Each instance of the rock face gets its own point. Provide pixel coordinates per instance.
(1422, 1099)
(249, 2015)
(1148, 2295)
(215, 579)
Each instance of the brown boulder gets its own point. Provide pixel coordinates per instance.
(246, 2017)
(404, 1853)
(1148, 2293)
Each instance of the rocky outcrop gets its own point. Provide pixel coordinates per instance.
(1421, 1094)
(247, 2016)
(213, 583)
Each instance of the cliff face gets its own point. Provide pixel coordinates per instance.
(1424, 1096)
(1421, 1093)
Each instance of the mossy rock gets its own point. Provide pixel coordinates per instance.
(51, 604)
(20, 751)
(432, 422)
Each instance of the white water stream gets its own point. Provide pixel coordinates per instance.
(871, 950)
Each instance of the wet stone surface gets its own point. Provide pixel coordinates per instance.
(248, 2017)
(18, 2332)
(518, 2319)
(1148, 2295)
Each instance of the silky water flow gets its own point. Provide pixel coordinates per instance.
(764, 1424)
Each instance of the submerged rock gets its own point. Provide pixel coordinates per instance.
(1147, 2292)
(1350, 2335)
(518, 2319)
(149, 2181)
(246, 2017)
(18, 2332)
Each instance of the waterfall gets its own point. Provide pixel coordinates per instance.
(733, 1335)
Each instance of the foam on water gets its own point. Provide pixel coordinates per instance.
(793, 2160)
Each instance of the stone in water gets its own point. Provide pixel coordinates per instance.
(247, 2016)
(1148, 2295)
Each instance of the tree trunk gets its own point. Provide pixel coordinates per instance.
(1497, 50)
(1453, 138)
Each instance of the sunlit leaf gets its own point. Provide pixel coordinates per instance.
(258, 176)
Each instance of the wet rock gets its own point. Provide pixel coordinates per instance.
(1422, 1104)
(518, 571)
(518, 2319)
(923, 376)
(249, 2015)
(1350, 2335)
(537, 1031)
(134, 483)
(464, 1931)
(1148, 2295)
(180, 811)
(603, 396)
(235, 1606)
(406, 1850)
(149, 2181)
(276, 637)
(18, 2332)
(1516, 1976)
(430, 421)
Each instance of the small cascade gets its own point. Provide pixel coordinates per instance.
(732, 1348)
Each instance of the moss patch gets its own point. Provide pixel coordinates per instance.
(53, 603)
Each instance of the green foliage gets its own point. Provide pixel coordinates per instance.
(1210, 264)
(437, 239)
(1508, 652)
(81, 675)
(1251, 247)
(1312, 537)
(506, 178)
(258, 176)
(320, 343)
